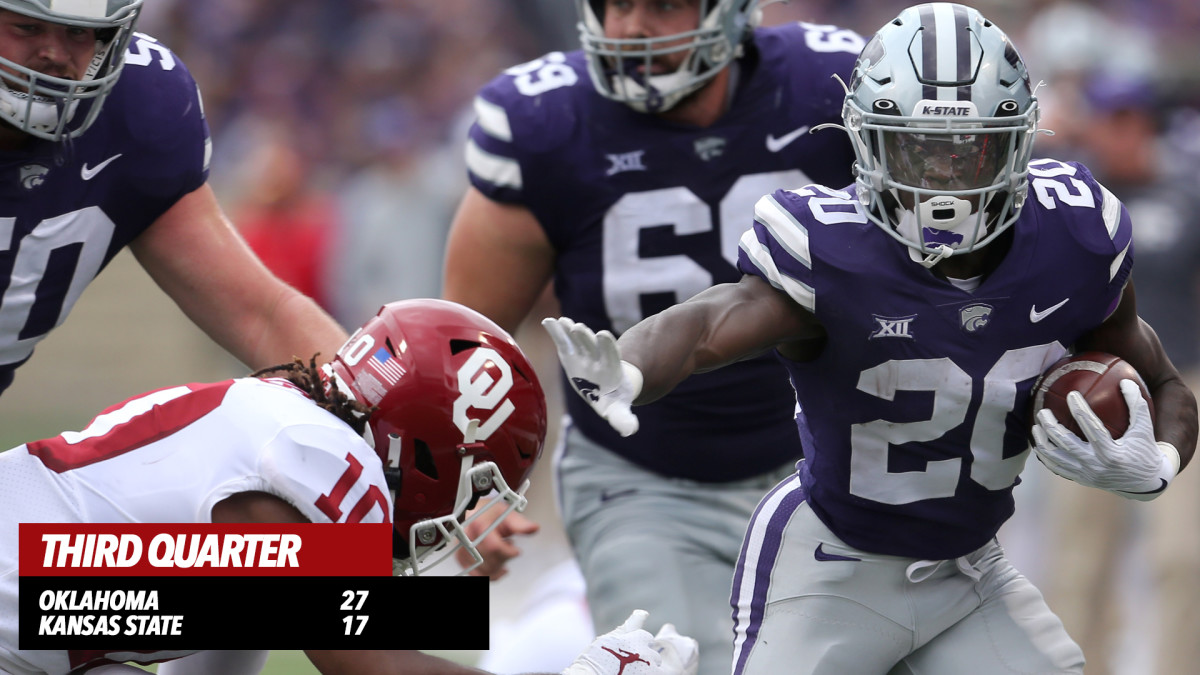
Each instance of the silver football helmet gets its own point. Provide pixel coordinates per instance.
(620, 67)
(942, 118)
(56, 108)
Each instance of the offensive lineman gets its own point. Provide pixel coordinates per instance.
(105, 145)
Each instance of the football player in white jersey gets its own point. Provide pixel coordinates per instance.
(914, 310)
(106, 146)
(424, 409)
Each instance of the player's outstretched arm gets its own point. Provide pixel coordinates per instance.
(719, 326)
(723, 324)
(625, 650)
(197, 257)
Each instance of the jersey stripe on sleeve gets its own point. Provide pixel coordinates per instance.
(773, 224)
(499, 171)
(493, 120)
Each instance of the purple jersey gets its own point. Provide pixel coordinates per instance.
(644, 213)
(916, 413)
(68, 208)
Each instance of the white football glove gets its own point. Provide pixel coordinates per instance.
(630, 650)
(594, 367)
(1134, 466)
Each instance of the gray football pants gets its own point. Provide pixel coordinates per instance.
(810, 604)
(666, 545)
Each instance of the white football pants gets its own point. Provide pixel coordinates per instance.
(808, 604)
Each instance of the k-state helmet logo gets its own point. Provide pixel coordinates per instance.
(932, 108)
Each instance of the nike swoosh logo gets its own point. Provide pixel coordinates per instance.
(88, 173)
(777, 144)
(1036, 316)
(605, 495)
(822, 556)
(1148, 492)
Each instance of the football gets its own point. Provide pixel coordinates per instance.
(1097, 376)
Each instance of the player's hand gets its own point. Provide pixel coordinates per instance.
(497, 547)
(1134, 466)
(594, 367)
(630, 650)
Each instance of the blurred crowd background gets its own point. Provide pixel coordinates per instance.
(338, 130)
(338, 124)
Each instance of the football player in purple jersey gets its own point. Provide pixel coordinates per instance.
(913, 310)
(105, 146)
(621, 172)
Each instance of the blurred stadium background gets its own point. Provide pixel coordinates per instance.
(337, 130)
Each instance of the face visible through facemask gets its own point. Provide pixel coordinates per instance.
(939, 180)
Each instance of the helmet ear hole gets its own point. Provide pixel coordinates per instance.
(886, 106)
(1008, 108)
(423, 459)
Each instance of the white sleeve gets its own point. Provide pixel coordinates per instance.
(329, 474)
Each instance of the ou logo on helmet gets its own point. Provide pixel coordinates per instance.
(478, 389)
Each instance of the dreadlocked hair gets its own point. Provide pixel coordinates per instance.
(307, 377)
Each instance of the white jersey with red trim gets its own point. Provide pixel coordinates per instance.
(168, 456)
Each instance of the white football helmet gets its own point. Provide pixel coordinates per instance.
(56, 108)
(614, 63)
(942, 118)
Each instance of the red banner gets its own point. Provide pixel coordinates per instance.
(193, 550)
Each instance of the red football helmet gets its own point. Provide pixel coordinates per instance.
(459, 413)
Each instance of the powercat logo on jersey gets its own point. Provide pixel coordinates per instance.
(33, 175)
(927, 108)
(975, 317)
(710, 147)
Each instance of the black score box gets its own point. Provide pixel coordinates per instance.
(178, 613)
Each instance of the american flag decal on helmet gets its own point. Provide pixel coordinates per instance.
(387, 366)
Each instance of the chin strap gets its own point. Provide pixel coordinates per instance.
(939, 254)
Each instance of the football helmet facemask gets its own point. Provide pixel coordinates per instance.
(458, 413)
(618, 67)
(56, 108)
(942, 118)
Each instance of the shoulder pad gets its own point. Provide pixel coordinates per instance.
(328, 473)
(779, 247)
(1067, 193)
(157, 95)
(533, 106)
(810, 54)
